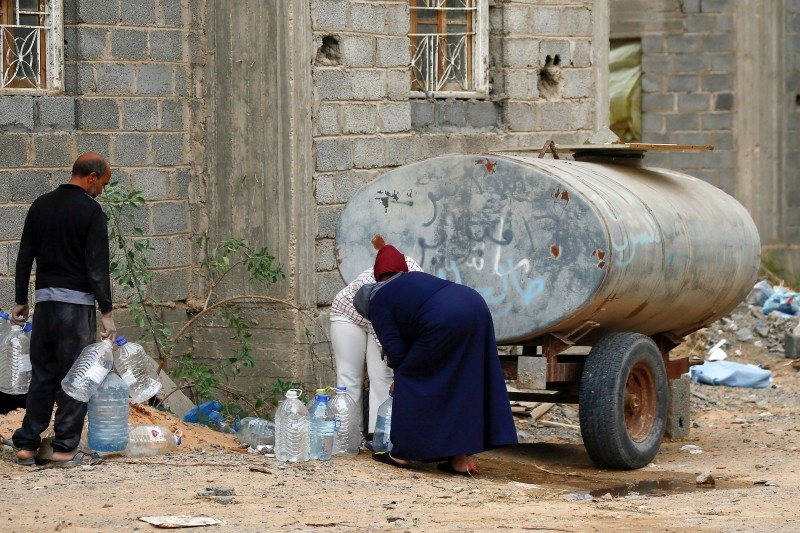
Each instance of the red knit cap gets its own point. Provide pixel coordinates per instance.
(389, 261)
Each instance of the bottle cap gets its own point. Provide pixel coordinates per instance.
(28, 327)
(3, 314)
(121, 340)
(293, 393)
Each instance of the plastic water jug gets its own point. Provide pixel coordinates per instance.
(89, 370)
(381, 441)
(145, 440)
(137, 369)
(258, 434)
(347, 437)
(5, 324)
(108, 415)
(322, 428)
(15, 362)
(292, 429)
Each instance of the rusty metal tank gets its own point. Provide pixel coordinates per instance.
(574, 248)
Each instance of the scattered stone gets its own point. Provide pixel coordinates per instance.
(705, 479)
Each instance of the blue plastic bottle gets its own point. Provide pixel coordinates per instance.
(108, 415)
(322, 428)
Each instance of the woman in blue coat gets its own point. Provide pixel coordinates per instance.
(450, 399)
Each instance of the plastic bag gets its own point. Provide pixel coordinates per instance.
(783, 301)
(761, 291)
(731, 374)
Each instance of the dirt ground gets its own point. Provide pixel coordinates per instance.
(746, 438)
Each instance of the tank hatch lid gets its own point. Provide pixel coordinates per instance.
(632, 152)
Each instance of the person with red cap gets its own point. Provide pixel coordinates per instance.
(450, 398)
(354, 344)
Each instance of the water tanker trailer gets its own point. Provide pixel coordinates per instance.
(596, 266)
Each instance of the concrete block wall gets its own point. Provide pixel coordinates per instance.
(128, 87)
(689, 69)
(366, 120)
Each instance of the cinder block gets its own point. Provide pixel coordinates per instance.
(329, 15)
(326, 258)
(546, 21)
(716, 83)
(169, 217)
(172, 115)
(360, 118)
(393, 52)
(91, 42)
(482, 115)
(397, 19)
(152, 182)
(56, 113)
(398, 84)
(115, 78)
(139, 13)
(679, 408)
(328, 119)
(13, 150)
(577, 83)
(16, 113)
(332, 84)
(450, 113)
(554, 116)
(98, 11)
(12, 218)
(168, 149)
(368, 85)
(130, 149)
(166, 45)
(395, 117)
(92, 142)
(517, 19)
(576, 21)
(171, 284)
(129, 44)
(155, 79)
(328, 284)
(172, 12)
(327, 219)
(684, 43)
(521, 53)
(139, 114)
(27, 185)
(521, 116)
(368, 152)
(421, 114)
(52, 150)
(97, 114)
(358, 50)
(333, 154)
(400, 150)
(368, 17)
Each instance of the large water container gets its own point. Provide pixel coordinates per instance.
(322, 428)
(89, 370)
(347, 437)
(145, 440)
(137, 369)
(15, 362)
(108, 415)
(292, 429)
(382, 441)
(579, 249)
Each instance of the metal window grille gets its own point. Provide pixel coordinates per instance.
(29, 40)
(443, 37)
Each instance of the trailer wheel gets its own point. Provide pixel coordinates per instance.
(623, 401)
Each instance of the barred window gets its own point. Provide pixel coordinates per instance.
(32, 49)
(449, 46)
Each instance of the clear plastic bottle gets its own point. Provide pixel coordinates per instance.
(5, 324)
(217, 421)
(137, 369)
(89, 370)
(261, 435)
(108, 415)
(292, 429)
(322, 428)
(15, 362)
(381, 441)
(347, 437)
(145, 441)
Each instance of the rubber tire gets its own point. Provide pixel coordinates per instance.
(605, 376)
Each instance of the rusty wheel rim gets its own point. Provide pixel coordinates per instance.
(640, 402)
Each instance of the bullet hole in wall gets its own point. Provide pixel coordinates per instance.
(328, 53)
(550, 78)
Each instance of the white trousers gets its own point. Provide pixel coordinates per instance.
(352, 347)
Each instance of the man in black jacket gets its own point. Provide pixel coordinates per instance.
(66, 233)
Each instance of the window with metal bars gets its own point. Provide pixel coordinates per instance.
(31, 45)
(448, 46)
